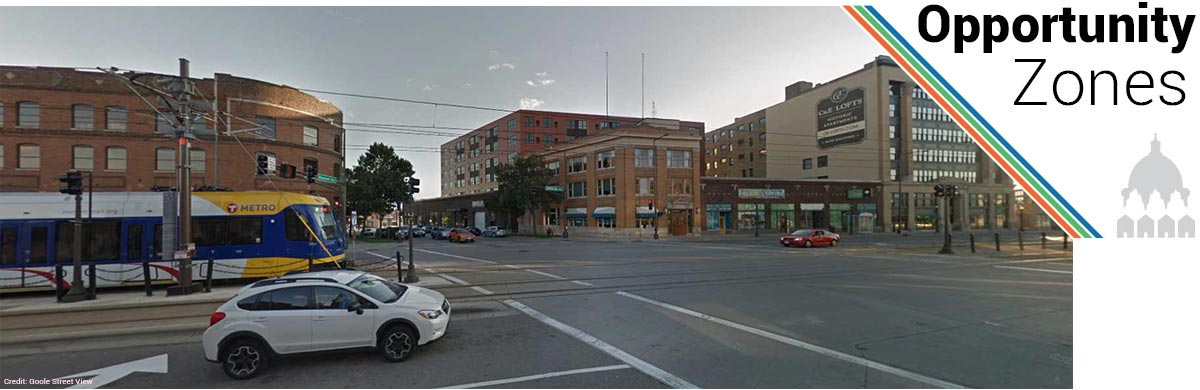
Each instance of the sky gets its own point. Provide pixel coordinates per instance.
(707, 64)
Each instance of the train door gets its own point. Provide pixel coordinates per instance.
(34, 251)
(139, 247)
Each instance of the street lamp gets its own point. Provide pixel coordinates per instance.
(653, 151)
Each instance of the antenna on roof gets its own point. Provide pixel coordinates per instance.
(606, 85)
(643, 85)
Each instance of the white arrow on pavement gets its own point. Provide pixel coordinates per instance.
(110, 374)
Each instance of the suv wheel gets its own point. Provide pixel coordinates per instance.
(398, 343)
(244, 359)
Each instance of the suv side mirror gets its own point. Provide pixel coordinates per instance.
(356, 307)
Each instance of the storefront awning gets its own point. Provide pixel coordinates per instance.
(580, 212)
(644, 212)
(604, 212)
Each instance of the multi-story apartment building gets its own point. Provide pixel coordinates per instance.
(468, 161)
(874, 124)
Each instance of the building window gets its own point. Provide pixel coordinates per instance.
(741, 157)
(116, 118)
(604, 160)
(1, 114)
(29, 156)
(679, 159)
(552, 167)
(83, 117)
(606, 187)
(164, 159)
(808, 163)
(547, 123)
(762, 121)
(577, 190)
(512, 157)
(512, 140)
(116, 160)
(266, 126)
(741, 128)
(643, 158)
(822, 161)
(197, 160)
(530, 138)
(310, 135)
(607, 223)
(512, 124)
(82, 158)
(1, 156)
(741, 142)
(645, 186)
(28, 114)
(751, 127)
(681, 186)
(547, 139)
(577, 164)
(528, 121)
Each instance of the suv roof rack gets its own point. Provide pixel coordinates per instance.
(274, 281)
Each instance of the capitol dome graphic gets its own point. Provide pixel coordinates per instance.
(1156, 174)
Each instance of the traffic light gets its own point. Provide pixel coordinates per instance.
(310, 173)
(939, 191)
(650, 204)
(72, 183)
(413, 184)
(287, 171)
(262, 165)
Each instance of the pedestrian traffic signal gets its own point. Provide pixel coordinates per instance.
(72, 183)
(310, 173)
(287, 171)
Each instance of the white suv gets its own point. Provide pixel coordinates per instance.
(319, 311)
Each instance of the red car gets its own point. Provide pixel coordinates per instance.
(810, 238)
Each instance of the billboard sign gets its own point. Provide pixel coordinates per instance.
(761, 193)
(842, 118)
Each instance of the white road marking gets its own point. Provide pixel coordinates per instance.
(110, 374)
(538, 376)
(464, 283)
(801, 344)
(639, 364)
(582, 283)
(546, 274)
(1034, 269)
(380, 256)
(456, 256)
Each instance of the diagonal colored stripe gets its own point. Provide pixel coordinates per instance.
(1007, 163)
(862, 16)
(1077, 217)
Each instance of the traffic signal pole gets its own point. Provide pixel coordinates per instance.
(77, 292)
(411, 188)
(183, 172)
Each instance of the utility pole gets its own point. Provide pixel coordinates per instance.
(74, 186)
(184, 170)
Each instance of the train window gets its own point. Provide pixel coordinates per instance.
(39, 245)
(209, 231)
(8, 246)
(102, 241)
(294, 228)
(158, 250)
(62, 243)
(133, 242)
(245, 231)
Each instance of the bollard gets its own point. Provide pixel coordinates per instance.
(400, 268)
(997, 242)
(208, 277)
(972, 242)
(58, 281)
(1064, 241)
(310, 261)
(146, 277)
(1020, 241)
(91, 293)
(1043, 240)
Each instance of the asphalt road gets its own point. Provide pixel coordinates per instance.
(732, 313)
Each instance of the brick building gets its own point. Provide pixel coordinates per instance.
(53, 120)
(467, 161)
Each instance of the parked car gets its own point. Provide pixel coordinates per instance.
(495, 231)
(461, 235)
(319, 311)
(811, 237)
(474, 230)
(368, 232)
(418, 231)
(440, 234)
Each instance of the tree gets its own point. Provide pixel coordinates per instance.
(522, 188)
(376, 184)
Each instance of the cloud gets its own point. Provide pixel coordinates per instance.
(467, 85)
(495, 67)
(408, 81)
(540, 79)
(428, 88)
(531, 103)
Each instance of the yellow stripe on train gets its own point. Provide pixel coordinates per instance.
(258, 203)
(265, 267)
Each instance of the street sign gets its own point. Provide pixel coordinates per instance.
(326, 178)
(554, 188)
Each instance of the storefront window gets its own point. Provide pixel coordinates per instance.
(606, 223)
(783, 216)
(750, 214)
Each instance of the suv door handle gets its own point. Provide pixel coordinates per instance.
(319, 318)
(260, 319)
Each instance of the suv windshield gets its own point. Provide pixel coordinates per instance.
(378, 288)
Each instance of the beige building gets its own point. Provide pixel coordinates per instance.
(739, 148)
(610, 178)
(875, 124)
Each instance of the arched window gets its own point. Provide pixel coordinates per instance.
(83, 157)
(83, 117)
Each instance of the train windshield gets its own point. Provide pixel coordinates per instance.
(324, 217)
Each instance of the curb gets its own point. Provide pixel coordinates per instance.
(110, 306)
(200, 325)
